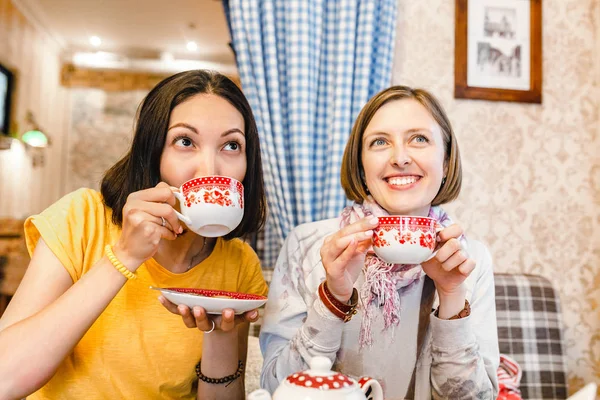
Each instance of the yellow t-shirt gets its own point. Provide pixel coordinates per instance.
(136, 349)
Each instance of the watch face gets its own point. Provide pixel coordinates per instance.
(465, 312)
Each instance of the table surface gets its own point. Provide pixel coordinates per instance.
(253, 365)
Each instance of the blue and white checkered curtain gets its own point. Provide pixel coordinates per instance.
(307, 68)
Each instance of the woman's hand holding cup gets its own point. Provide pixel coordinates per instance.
(448, 269)
(451, 265)
(143, 226)
(343, 253)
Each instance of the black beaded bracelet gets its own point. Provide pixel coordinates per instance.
(220, 381)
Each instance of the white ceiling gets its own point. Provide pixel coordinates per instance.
(139, 29)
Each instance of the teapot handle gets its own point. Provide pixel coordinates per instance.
(367, 383)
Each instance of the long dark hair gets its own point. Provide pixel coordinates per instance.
(140, 168)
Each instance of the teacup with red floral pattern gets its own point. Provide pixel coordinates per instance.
(211, 206)
(402, 239)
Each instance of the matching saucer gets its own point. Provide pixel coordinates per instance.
(213, 301)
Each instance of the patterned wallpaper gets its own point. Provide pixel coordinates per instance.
(532, 172)
(102, 127)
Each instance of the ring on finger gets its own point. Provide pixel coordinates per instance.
(164, 223)
(211, 329)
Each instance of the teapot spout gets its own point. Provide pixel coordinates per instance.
(367, 383)
(260, 394)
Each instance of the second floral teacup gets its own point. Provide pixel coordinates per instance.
(405, 239)
(211, 206)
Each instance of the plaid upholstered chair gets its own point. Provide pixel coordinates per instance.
(530, 331)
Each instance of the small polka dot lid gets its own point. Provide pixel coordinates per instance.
(320, 376)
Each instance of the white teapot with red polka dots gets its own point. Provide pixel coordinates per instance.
(321, 383)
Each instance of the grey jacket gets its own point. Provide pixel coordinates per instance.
(459, 358)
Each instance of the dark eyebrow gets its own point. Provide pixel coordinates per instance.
(183, 125)
(232, 131)
(191, 128)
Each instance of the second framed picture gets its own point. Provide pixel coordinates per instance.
(498, 50)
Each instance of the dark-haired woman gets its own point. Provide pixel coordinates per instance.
(83, 323)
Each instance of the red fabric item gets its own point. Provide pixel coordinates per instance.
(509, 378)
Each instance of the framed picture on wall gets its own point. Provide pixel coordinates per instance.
(498, 50)
(6, 88)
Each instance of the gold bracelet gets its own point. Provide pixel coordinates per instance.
(118, 264)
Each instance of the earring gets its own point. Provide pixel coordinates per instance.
(444, 181)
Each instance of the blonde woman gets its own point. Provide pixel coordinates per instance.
(402, 158)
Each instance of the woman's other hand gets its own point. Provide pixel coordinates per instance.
(343, 253)
(198, 318)
(449, 269)
(143, 226)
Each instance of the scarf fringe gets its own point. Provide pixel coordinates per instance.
(384, 282)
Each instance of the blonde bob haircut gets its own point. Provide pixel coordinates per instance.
(352, 169)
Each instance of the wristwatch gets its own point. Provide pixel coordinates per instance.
(465, 312)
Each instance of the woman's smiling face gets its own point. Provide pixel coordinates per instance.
(403, 157)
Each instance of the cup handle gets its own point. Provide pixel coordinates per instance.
(438, 228)
(181, 217)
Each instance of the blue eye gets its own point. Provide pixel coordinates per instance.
(378, 142)
(421, 139)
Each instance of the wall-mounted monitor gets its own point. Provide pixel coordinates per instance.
(6, 91)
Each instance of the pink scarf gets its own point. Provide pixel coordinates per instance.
(384, 282)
